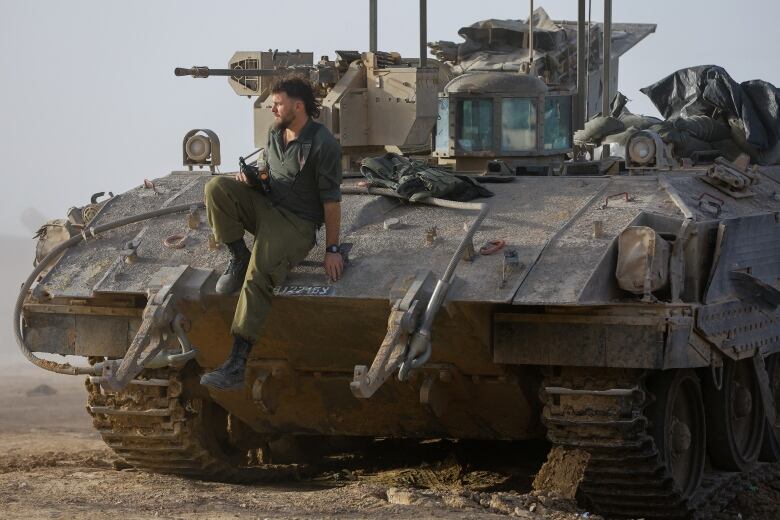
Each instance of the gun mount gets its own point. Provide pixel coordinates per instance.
(520, 104)
(356, 90)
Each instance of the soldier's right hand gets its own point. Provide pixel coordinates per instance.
(248, 179)
(240, 177)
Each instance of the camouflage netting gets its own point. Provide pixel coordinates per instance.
(503, 45)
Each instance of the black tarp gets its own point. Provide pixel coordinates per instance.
(703, 89)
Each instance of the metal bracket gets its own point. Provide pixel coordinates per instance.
(179, 325)
(713, 203)
(625, 195)
(626, 397)
(419, 351)
(677, 260)
(269, 383)
(732, 178)
(443, 383)
(148, 342)
(159, 320)
(404, 316)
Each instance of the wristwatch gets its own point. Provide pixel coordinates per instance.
(332, 249)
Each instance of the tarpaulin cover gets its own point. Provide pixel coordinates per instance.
(489, 34)
(502, 44)
(700, 90)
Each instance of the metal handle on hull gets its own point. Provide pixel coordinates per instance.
(399, 351)
(160, 318)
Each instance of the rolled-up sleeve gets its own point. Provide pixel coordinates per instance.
(329, 171)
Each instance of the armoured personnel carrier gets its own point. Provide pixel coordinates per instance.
(631, 314)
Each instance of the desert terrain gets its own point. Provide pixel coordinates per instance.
(53, 465)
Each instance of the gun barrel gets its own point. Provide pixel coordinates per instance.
(205, 72)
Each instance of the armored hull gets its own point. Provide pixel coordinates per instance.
(545, 339)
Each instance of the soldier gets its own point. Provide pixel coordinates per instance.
(303, 163)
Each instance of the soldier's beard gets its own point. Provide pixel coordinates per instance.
(282, 123)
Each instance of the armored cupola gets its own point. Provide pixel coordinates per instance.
(508, 115)
(496, 83)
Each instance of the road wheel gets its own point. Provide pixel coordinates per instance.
(678, 426)
(770, 450)
(735, 417)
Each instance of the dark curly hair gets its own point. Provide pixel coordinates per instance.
(297, 87)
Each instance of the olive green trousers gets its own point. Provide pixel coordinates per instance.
(282, 240)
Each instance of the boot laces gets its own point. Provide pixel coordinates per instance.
(237, 264)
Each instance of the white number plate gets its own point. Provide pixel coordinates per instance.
(303, 290)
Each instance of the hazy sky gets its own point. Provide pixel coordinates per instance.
(88, 100)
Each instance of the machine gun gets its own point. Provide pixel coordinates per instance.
(205, 72)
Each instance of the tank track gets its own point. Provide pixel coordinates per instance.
(625, 476)
(155, 428)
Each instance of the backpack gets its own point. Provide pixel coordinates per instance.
(416, 180)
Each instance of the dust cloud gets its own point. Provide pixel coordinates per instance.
(17, 253)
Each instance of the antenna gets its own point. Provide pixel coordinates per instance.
(531, 38)
(372, 24)
(423, 33)
(582, 70)
(373, 21)
(606, 57)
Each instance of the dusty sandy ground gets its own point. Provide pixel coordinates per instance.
(53, 466)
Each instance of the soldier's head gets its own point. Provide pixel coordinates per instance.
(293, 101)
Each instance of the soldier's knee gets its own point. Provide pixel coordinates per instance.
(216, 186)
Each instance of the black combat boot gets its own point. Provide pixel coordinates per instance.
(230, 376)
(234, 275)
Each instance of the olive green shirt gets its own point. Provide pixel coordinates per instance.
(306, 173)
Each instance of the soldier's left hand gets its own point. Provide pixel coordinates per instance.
(334, 266)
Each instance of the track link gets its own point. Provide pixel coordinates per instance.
(626, 477)
(156, 428)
